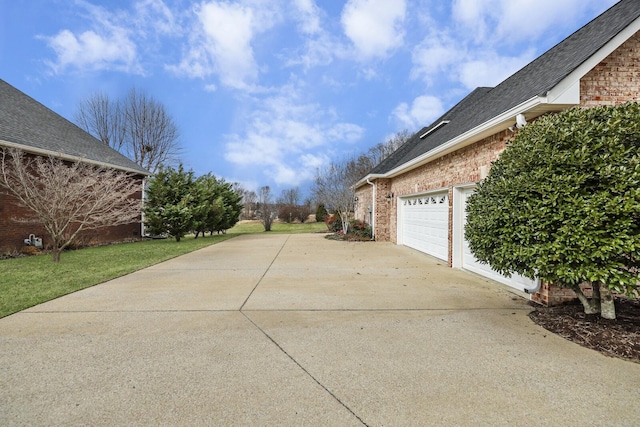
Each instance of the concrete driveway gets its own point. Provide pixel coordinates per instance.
(298, 330)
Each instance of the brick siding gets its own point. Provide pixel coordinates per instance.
(616, 79)
(13, 231)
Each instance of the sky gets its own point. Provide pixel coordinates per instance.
(265, 92)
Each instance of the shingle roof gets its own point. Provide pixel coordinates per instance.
(30, 125)
(535, 79)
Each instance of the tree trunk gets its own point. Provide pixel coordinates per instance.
(56, 254)
(590, 306)
(177, 238)
(608, 307)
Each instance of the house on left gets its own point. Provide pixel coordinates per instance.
(28, 125)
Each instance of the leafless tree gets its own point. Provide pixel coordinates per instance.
(68, 198)
(151, 133)
(266, 210)
(138, 126)
(102, 118)
(249, 200)
(291, 196)
(382, 150)
(334, 187)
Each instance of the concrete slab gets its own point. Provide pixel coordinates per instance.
(297, 330)
(170, 368)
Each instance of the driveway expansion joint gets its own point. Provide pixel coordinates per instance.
(336, 398)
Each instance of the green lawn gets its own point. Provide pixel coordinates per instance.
(27, 281)
(277, 227)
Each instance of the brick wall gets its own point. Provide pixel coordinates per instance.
(461, 167)
(13, 233)
(364, 203)
(616, 79)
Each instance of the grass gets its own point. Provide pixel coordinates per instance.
(279, 227)
(28, 281)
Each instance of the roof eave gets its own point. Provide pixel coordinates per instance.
(488, 128)
(43, 152)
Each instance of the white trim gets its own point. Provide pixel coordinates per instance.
(43, 152)
(457, 235)
(566, 89)
(433, 129)
(485, 129)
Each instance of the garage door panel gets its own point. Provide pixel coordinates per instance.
(425, 224)
(469, 261)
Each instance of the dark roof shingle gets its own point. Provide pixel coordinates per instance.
(27, 123)
(535, 79)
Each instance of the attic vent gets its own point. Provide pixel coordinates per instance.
(433, 129)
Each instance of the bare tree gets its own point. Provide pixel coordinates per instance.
(151, 133)
(138, 126)
(291, 196)
(334, 187)
(102, 118)
(68, 198)
(249, 200)
(266, 210)
(382, 150)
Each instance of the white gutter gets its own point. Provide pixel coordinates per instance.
(373, 208)
(469, 137)
(43, 152)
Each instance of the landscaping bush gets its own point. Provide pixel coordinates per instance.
(333, 223)
(321, 213)
(291, 213)
(359, 229)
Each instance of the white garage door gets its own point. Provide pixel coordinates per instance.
(425, 224)
(469, 262)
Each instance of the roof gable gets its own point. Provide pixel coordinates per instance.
(535, 81)
(27, 124)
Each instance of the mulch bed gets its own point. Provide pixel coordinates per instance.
(616, 338)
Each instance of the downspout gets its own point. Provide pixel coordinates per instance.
(373, 209)
(535, 289)
(142, 199)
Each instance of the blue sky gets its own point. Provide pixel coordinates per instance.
(266, 91)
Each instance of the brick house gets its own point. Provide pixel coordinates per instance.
(30, 126)
(416, 197)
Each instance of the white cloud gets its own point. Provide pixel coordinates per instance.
(222, 39)
(436, 53)
(374, 26)
(490, 69)
(422, 112)
(92, 51)
(307, 14)
(283, 136)
(153, 16)
(515, 21)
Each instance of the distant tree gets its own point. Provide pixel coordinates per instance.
(334, 187)
(321, 212)
(382, 150)
(68, 198)
(266, 208)
(137, 125)
(171, 200)
(562, 203)
(291, 196)
(249, 200)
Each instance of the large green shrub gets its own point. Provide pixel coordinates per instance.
(562, 203)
